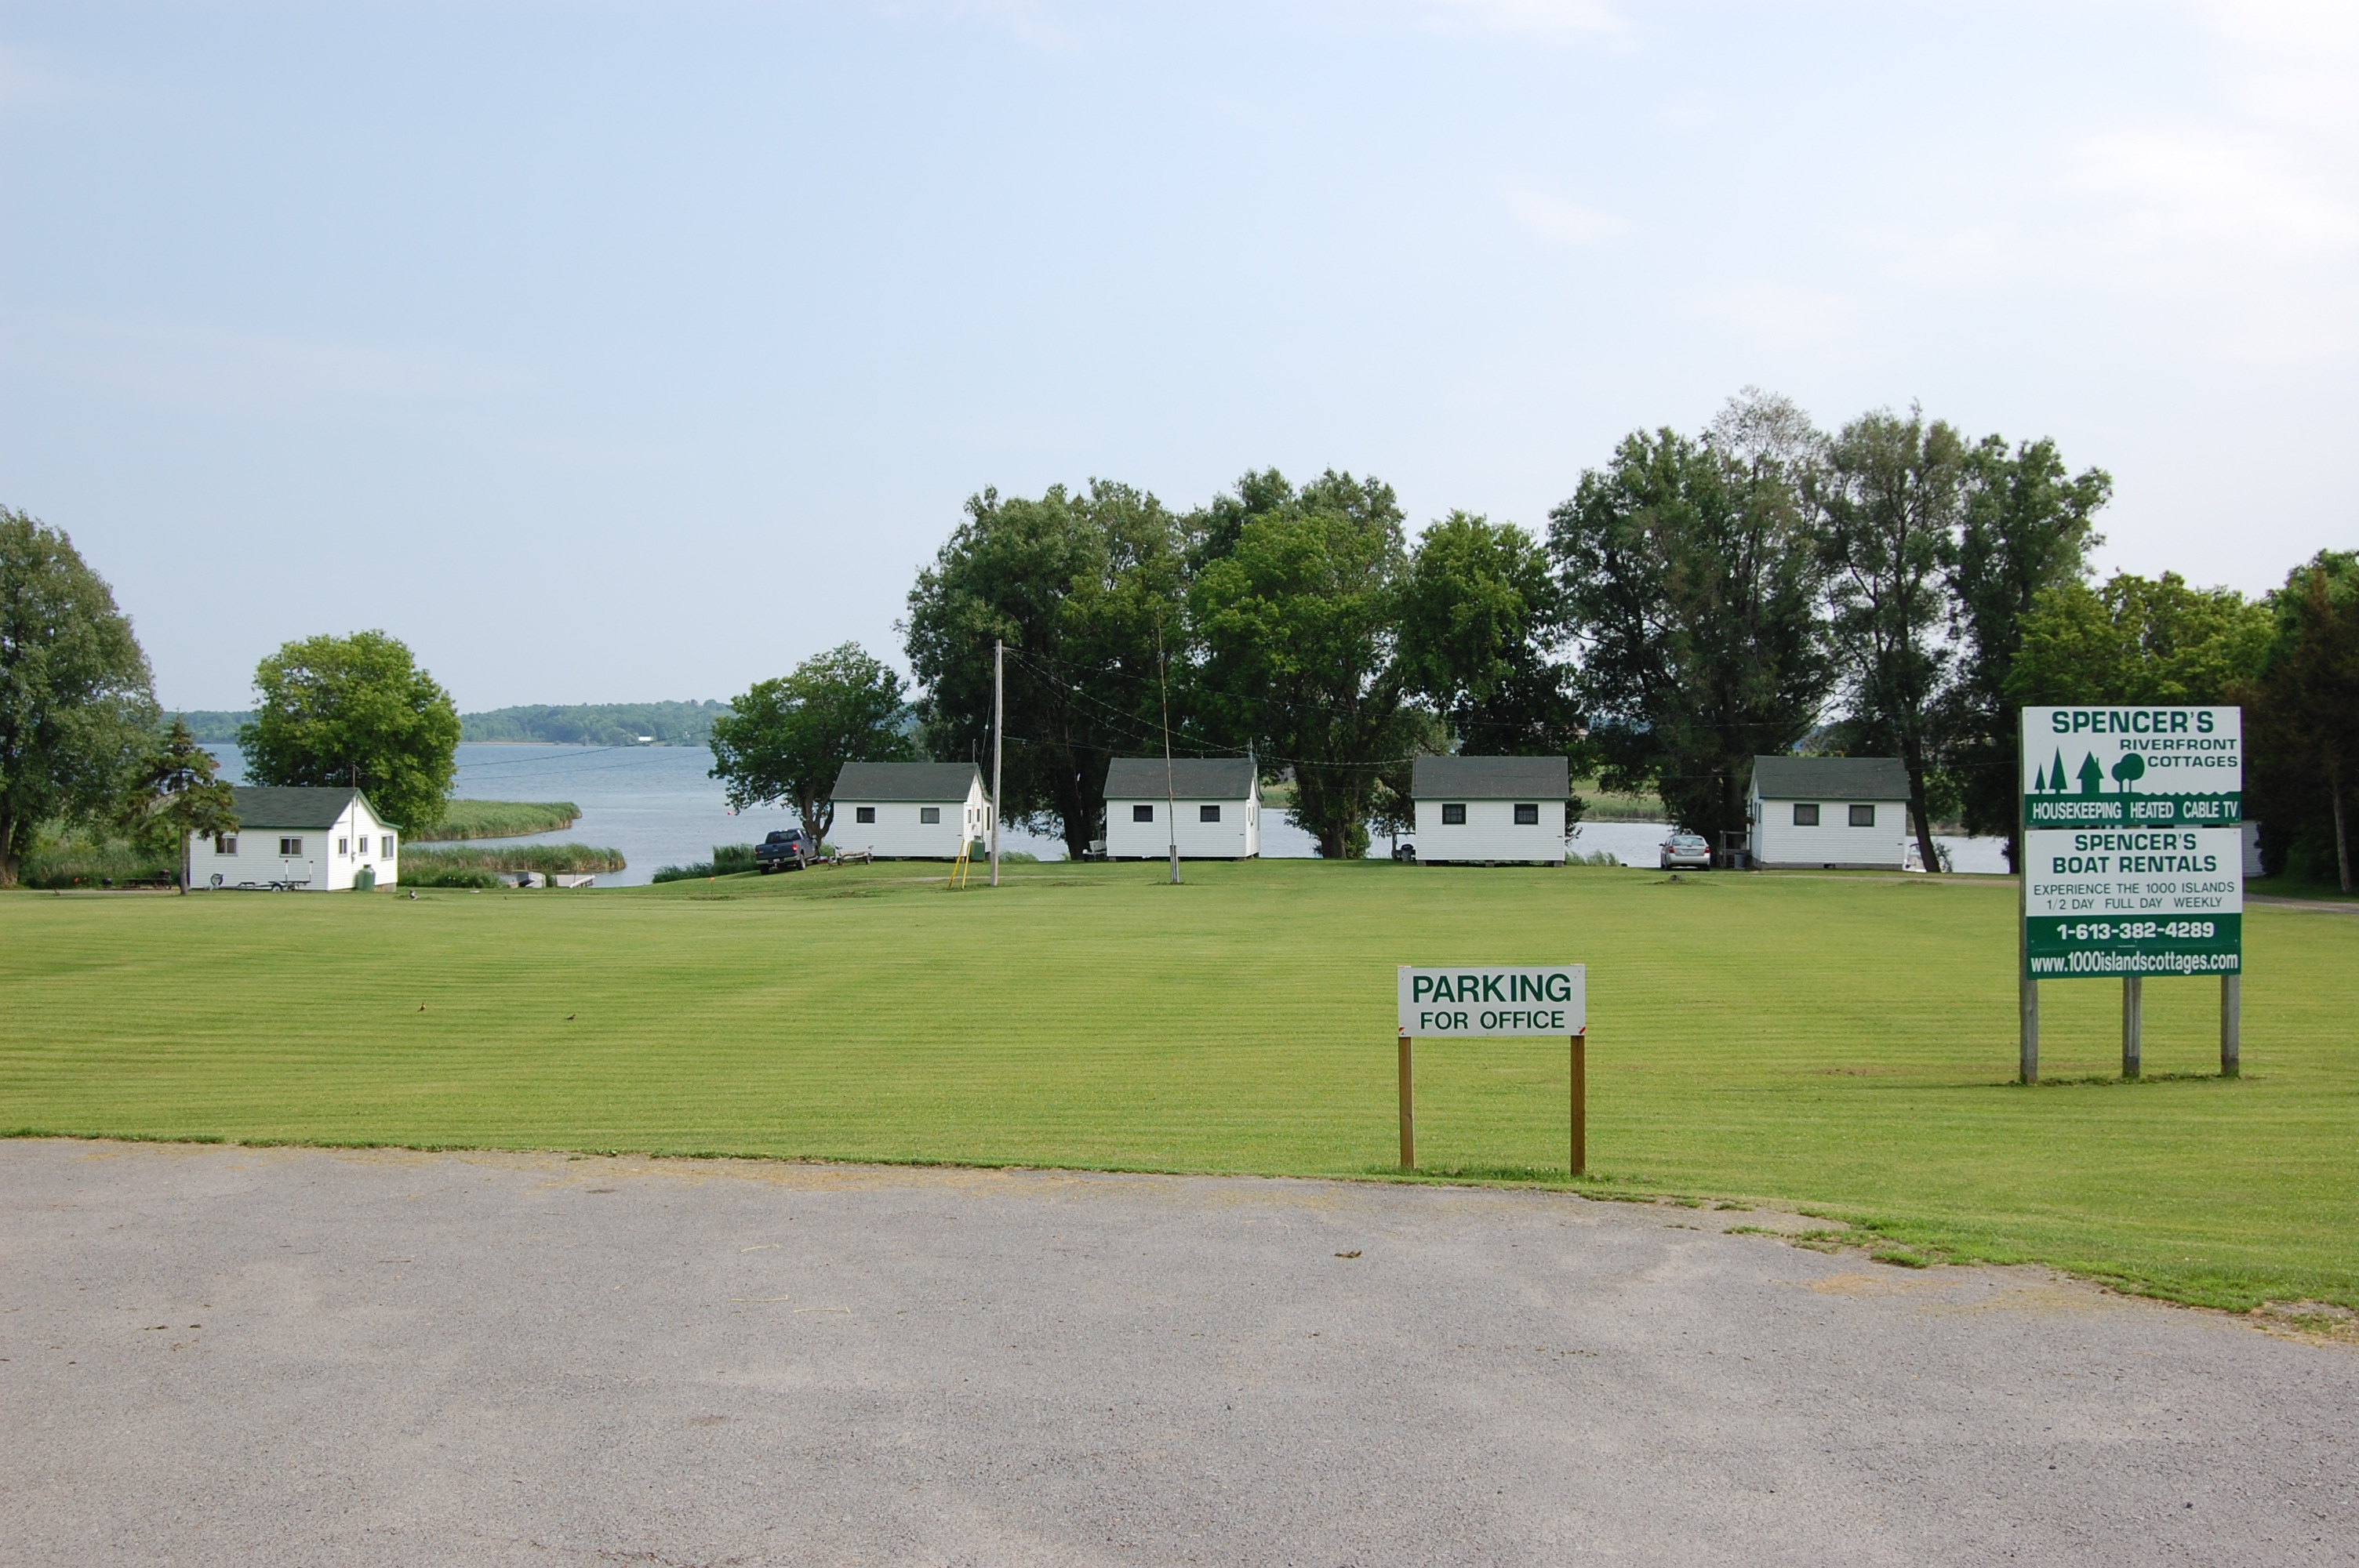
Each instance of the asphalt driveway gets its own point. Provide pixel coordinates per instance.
(237, 1356)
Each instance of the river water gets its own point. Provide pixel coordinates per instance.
(659, 807)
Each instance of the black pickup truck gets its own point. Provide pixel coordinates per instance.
(785, 851)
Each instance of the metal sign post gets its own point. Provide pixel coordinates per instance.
(1483, 1002)
(2133, 860)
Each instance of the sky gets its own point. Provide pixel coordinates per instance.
(622, 352)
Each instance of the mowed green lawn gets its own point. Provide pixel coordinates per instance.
(1842, 1043)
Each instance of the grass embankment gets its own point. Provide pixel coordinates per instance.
(437, 865)
(464, 819)
(1602, 805)
(1842, 1043)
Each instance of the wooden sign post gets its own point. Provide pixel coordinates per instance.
(1487, 1002)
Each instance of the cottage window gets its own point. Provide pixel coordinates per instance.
(1208, 813)
(864, 813)
(344, 847)
(1527, 816)
(225, 844)
(364, 849)
(930, 814)
(1142, 814)
(1454, 817)
(384, 847)
(290, 845)
(1805, 815)
(1862, 817)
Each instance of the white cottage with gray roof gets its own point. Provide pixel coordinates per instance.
(1829, 813)
(1491, 809)
(909, 811)
(1214, 804)
(298, 838)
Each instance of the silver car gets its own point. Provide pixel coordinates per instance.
(1686, 851)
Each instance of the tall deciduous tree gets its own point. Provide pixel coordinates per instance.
(2026, 527)
(1482, 619)
(1298, 624)
(2302, 712)
(1079, 586)
(77, 705)
(1890, 498)
(176, 796)
(787, 738)
(2139, 639)
(355, 710)
(1691, 581)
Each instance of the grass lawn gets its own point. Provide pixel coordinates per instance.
(1840, 1041)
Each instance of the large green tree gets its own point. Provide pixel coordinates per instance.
(1891, 494)
(2140, 640)
(176, 796)
(1481, 619)
(2301, 718)
(1085, 590)
(1297, 625)
(787, 738)
(354, 710)
(2026, 527)
(77, 705)
(1691, 581)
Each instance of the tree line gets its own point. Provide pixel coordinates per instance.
(1890, 588)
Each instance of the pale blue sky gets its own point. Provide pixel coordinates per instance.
(618, 351)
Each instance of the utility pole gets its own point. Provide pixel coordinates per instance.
(998, 727)
(1171, 791)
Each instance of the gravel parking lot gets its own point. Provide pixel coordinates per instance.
(241, 1356)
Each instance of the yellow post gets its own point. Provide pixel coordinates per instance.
(1407, 1111)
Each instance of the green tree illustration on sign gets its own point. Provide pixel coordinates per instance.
(2129, 771)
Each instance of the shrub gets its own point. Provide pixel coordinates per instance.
(83, 861)
(548, 859)
(436, 876)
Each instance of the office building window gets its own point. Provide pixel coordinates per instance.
(1805, 815)
(1862, 817)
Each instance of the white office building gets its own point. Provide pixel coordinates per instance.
(1211, 806)
(1491, 810)
(1828, 813)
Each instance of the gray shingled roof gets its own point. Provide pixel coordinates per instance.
(1192, 778)
(1491, 778)
(1830, 778)
(906, 781)
(292, 806)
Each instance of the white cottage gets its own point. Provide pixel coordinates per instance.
(1491, 809)
(1212, 806)
(317, 840)
(1829, 813)
(910, 811)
